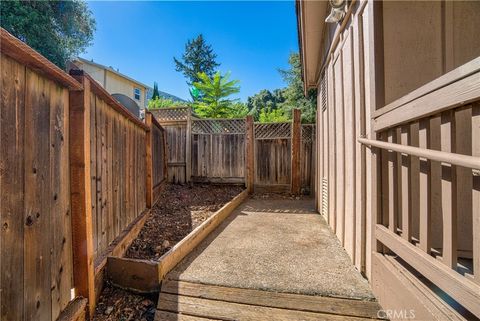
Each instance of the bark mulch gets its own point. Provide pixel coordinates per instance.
(178, 212)
(119, 305)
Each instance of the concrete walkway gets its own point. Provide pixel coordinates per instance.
(279, 246)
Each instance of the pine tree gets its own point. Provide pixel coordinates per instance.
(155, 94)
(197, 58)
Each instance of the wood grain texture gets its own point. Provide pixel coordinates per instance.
(476, 193)
(222, 310)
(25, 55)
(296, 141)
(290, 301)
(12, 142)
(81, 198)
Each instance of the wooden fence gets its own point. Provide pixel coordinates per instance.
(273, 150)
(215, 151)
(36, 243)
(157, 146)
(218, 150)
(177, 124)
(74, 168)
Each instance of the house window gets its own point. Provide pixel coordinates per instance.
(136, 93)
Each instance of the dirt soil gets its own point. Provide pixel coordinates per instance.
(179, 211)
(119, 305)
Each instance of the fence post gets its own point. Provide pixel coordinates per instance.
(188, 147)
(249, 153)
(165, 154)
(80, 190)
(148, 147)
(296, 141)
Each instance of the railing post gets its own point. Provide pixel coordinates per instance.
(148, 147)
(249, 153)
(188, 147)
(80, 189)
(296, 141)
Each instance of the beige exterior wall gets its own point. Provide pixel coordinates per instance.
(95, 72)
(117, 84)
(423, 42)
(383, 52)
(114, 83)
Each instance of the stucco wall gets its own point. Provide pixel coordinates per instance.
(114, 83)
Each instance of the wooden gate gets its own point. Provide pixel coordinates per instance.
(177, 123)
(284, 157)
(218, 150)
(273, 154)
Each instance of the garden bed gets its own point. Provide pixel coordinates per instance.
(183, 217)
(179, 211)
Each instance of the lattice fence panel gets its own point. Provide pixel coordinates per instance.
(171, 114)
(308, 133)
(218, 126)
(273, 130)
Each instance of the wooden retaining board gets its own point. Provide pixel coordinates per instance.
(144, 276)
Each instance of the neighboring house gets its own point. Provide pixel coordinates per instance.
(398, 121)
(128, 91)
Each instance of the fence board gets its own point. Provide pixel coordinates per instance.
(12, 151)
(66, 197)
(38, 232)
(62, 269)
(218, 157)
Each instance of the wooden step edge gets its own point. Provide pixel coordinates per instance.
(298, 302)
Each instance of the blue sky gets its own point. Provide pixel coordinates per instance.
(252, 40)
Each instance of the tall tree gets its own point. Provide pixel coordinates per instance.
(59, 30)
(156, 93)
(294, 94)
(264, 99)
(197, 58)
(215, 90)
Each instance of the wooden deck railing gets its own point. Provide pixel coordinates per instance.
(428, 169)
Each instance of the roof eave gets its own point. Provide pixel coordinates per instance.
(310, 23)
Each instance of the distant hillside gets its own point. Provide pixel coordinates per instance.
(164, 95)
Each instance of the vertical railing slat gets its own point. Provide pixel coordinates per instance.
(414, 181)
(424, 207)
(462, 178)
(406, 214)
(449, 248)
(476, 193)
(392, 195)
(435, 183)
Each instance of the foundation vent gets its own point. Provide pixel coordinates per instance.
(324, 196)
